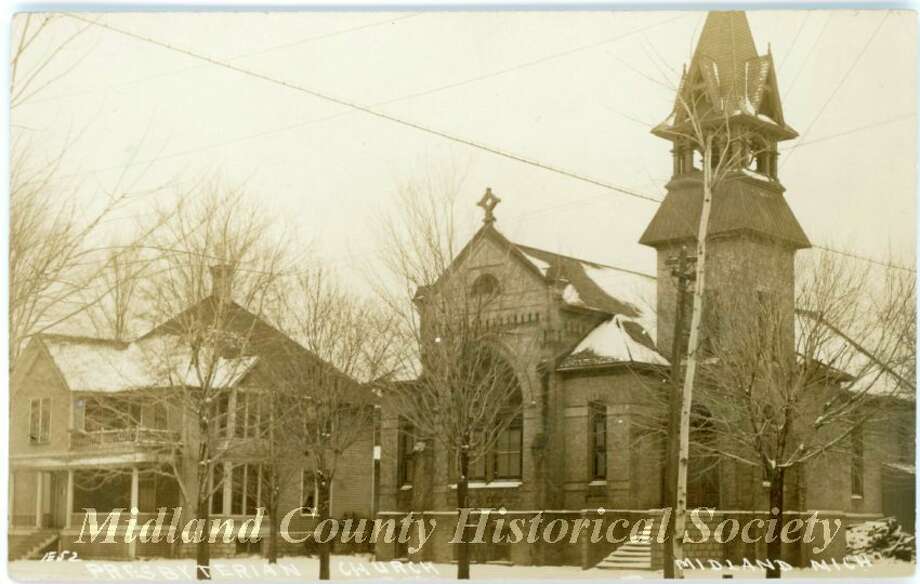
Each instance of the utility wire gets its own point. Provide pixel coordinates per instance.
(840, 84)
(453, 138)
(369, 110)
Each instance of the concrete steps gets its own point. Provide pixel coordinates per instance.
(31, 546)
(635, 554)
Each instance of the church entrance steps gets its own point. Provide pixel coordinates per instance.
(635, 554)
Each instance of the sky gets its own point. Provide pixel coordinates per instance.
(577, 91)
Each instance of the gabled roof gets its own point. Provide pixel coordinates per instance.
(95, 365)
(161, 358)
(624, 299)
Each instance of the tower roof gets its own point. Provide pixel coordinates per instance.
(726, 44)
(733, 77)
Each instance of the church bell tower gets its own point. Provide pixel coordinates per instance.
(733, 93)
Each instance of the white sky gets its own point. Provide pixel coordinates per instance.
(574, 90)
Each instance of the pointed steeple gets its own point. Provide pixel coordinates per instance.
(727, 44)
(732, 76)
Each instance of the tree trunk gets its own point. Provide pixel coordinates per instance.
(323, 514)
(463, 549)
(203, 511)
(202, 547)
(273, 529)
(680, 515)
(775, 547)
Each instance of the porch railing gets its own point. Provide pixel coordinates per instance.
(122, 437)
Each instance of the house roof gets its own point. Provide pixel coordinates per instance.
(162, 358)
(94, 365)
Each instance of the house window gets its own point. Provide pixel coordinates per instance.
(79, 414)
(245, 498)
(221, 414)
(598, 425)
(160, 416)
(248, 415)
(507, 452)
(40, 421)
(404, 455)
(857, 463)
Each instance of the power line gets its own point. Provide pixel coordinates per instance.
(856, 256)
(808, 54)
(413, 95)
(299, 42)
(368, 110)
(443, 134)
(840, 84)
(854, 130)
(795, 39)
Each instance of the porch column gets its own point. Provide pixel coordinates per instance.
(132, 545)
(69, 508)
(38, 498)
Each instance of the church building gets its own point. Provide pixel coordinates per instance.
(590, 348)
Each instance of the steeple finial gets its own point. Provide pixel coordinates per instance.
(488, 202)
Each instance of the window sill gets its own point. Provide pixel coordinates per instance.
(405, 488)
(598, 483)
(856, 497)
(496, 484)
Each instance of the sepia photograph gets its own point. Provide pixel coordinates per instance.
(467, 293)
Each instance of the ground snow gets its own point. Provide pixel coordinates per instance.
(364, 568)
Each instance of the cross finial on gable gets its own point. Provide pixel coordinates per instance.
(488, 202)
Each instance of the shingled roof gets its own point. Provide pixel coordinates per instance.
(737, 81)
(737, 206)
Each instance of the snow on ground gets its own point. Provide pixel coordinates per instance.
(364, 568)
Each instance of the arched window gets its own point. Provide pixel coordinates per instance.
(485, 285)
(497, 382)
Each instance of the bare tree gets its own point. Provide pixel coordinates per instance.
(465, 394)
(216, 279)
(783, 388)
(324, 405)
(55, 254)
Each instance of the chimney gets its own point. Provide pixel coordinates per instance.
(222, 281)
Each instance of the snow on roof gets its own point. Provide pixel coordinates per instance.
(100, 366)
(638, 290)
(570, 296)
(540, 264)
(617, 340)
(628, 296)
(95, 366)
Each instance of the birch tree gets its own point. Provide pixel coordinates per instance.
(724, 145)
